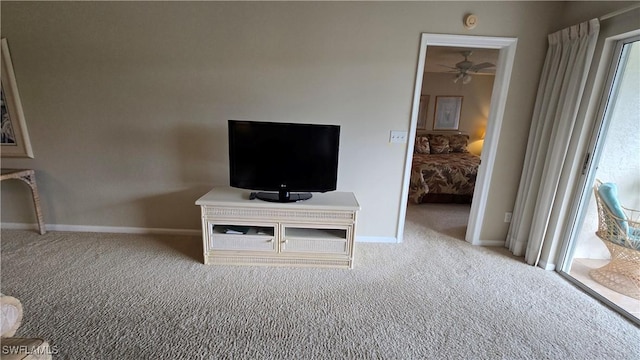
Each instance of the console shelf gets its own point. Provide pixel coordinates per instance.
(317, 232)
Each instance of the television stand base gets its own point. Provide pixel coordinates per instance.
(319, 232)
(283, 196)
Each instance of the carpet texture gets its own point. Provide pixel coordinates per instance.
(119, 296)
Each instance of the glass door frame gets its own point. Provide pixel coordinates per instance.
(590, 165)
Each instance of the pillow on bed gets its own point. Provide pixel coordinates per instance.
(458, 143)
(439, 144)
(422, 145)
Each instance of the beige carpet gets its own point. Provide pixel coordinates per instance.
(114, 296)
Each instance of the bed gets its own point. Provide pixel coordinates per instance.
(443, 170)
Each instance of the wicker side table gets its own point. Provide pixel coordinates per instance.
(29, 177)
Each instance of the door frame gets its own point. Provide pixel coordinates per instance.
(507, 49)
(605, 88)
(607, 71)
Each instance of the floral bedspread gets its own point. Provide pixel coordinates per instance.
(453, 173)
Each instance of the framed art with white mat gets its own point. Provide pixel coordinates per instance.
(422, 112)
(447, 113)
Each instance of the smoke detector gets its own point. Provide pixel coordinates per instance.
(470, 21)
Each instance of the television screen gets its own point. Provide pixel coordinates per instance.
(283, 157)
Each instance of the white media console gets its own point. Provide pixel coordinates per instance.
(316, 232)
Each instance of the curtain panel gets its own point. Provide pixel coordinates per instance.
(541, 191)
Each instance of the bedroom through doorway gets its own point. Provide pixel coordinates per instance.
(445, 112)
(453, 115)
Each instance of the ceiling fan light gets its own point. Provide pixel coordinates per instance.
(458, 77)
(466, 79)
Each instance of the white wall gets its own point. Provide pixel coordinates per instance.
(126, 102)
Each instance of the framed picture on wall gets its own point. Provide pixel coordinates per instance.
(14, 141)
(447, 113)
(422, 112)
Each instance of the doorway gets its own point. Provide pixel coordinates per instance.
(443, 177)
(506, 48)
(615, 145)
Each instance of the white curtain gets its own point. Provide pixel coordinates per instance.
(561, 87)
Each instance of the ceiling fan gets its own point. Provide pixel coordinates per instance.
(465, 67)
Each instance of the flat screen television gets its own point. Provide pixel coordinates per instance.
(287, 161)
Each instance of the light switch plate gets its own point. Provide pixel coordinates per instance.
(398, 137)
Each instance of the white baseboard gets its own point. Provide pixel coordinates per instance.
(490, 243)
(547, 266)
(159, 231)
(187, 232)
(102, 229)
(18, 226)
(376, 239)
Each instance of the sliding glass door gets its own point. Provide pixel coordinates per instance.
(615, 149)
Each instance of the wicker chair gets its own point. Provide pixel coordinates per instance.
(619, 229)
